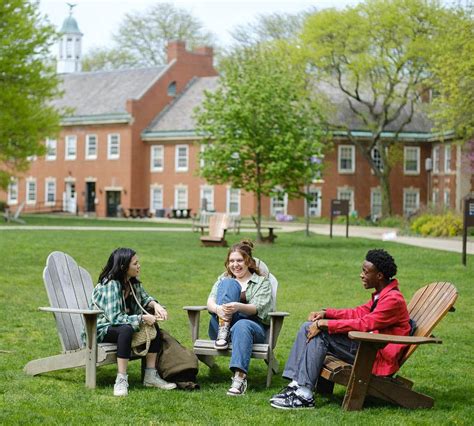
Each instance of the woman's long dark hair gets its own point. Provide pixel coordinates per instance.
(117, 266)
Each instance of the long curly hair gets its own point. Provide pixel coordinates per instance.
(245, 248)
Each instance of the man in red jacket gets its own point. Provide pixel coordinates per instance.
(326, 332)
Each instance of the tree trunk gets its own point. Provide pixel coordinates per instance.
(307, 233)
(386, 194)
(258, 222)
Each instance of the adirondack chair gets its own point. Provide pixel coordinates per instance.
(201, 221)
(218, 224)
(204, 348)
(16, 216)
(427, 308)
(69, 288)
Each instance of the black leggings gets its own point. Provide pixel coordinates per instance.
(122, 335)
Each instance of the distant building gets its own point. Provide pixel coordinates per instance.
(130, 144)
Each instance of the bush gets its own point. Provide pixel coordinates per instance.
(3, 204)
(445, 225)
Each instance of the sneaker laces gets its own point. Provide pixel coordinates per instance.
(223, 332)
(238, 383)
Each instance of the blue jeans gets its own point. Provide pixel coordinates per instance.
(245, 330)
(307, 359)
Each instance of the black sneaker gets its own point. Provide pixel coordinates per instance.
(292, 402)
(283, 393)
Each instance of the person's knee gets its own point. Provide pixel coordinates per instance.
(230, 283)
(241, 328)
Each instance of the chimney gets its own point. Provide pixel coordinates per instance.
(175, 49)
(204, 50)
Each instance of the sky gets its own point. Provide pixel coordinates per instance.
(99, 19)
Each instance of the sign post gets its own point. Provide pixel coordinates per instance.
(340, 208)
(468, 221)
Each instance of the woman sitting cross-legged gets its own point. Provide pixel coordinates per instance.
(239, 303)
(121, 316)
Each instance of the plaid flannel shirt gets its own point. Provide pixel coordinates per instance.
(108, 298)
(258, 293)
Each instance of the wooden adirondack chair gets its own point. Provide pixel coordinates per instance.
(69, 288)
(427, 308)
(218, 224)
(204, 348)
(9, 217)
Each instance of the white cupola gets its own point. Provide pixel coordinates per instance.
(70, 45)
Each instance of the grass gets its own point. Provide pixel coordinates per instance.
(313, 272)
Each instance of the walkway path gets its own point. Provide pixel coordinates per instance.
(374, 233)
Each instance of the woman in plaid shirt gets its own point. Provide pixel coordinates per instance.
(122, 316)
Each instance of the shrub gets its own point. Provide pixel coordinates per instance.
(445, 225)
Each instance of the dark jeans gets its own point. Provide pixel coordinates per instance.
(122, 336)
(307, 359)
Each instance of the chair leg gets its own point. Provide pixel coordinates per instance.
(324, 386)
(207, 359)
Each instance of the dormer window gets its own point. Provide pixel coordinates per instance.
(172, 89)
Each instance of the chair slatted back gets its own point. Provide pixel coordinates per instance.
(68, 286)
(217, 224)
(428, 307)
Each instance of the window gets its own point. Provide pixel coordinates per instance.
(346, 194)
(411, 201)
(411, 163)
(346, 159)
(315, 203)
(233, 201)
(181, 158)
(279, 204)
(69, 48)
(50, 192)
(377, 158)
(156, 198)
(201, 159)
(172, 89)
(13, 192)
(31, 191)
(207, 198)
(447, 158)
(113, 146)
(157, 158)
(71, 146)
(181, 197)
(436, 159)
(91, 147)
(435, 197)
(375, 203)
(51, 149)
(447, 198)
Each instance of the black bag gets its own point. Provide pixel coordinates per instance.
(177, 364)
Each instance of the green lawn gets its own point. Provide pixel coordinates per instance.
(312, 272)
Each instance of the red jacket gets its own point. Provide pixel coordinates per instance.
(390, 316)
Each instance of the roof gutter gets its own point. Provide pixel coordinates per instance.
(96, 119)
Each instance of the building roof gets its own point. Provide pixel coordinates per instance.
(177, 119)
(104, 93)
(70, 26)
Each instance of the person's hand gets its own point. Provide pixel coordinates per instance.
(314, 316)
(148, 319)
(161, 313)
(230, 308)
(312, 331)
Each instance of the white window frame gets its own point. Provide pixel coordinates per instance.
(340, 149)
(407, 152)
(447, 158)
(51, 149)
(345, 189)
(70, 142)
(157, 158)
(408, 210)
(233, 196)
(435, 196)
(314, 209)
(377, 158)
(88, 155)
(279, 205)
(113, 141)
(375, 208)
(154, 203)
(178, 167)
(447, 198)
(210, 198)
(436, 159)
(31, 183)
(177, 202)
(12, 195)
(47, 181)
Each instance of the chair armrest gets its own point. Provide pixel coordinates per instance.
(279, 314)
(194, 315)
(389, 338)
(276, 323)
(71, 311)
(194, 308)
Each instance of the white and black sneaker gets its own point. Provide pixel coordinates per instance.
(222, 341)
(283, 393)
(293, 402)
(238, 386)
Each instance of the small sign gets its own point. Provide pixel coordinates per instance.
(339, 207)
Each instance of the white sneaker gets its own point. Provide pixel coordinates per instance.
(153, 380)
(121, 386)
(222, 341)
(238, 386)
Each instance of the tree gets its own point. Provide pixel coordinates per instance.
(261, 127)
(377, 54)
(28, 82)
(142, 38)
(453, 73)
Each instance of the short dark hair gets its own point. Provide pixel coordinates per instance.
(383, 262)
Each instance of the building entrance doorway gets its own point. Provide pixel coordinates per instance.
(113, 202)
(70, 198)
(90, 197)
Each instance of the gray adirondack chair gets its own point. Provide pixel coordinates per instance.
(204, 348)
(69, 288)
